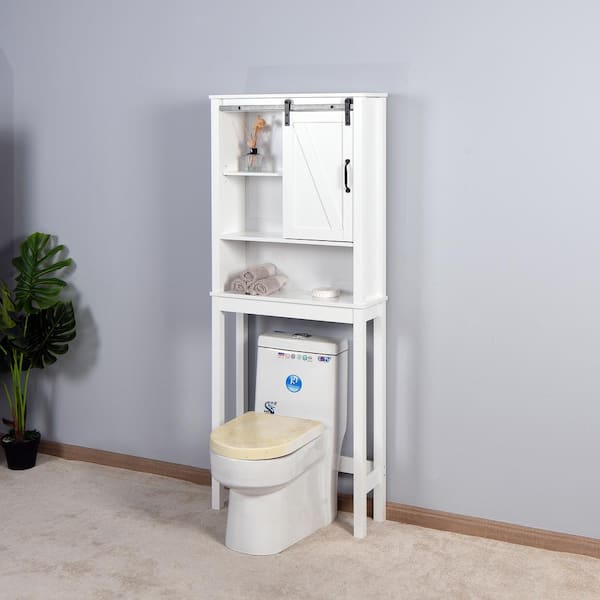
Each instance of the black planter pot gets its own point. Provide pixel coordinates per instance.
(21, 455)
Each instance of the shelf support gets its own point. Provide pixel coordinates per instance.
(379, 413)
(241, 363)
(218, 390)
(359, 389)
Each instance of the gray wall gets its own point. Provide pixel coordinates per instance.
(8, 149)
(493, 212)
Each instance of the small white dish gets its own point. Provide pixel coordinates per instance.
(325, 292)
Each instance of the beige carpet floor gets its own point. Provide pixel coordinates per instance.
(78, 530)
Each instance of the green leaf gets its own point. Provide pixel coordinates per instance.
(38, 259)
(48, 333)
(7, 310)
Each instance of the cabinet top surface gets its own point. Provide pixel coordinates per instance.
(313, 95)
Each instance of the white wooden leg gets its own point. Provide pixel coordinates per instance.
(241, 363)
(359, 391)
(379, 411)
(218, 390)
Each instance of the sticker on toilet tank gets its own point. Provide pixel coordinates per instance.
(294, 356)
(270, 407)
(293, 383)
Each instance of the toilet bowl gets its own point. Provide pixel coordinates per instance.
(281, 469)
(275, 501)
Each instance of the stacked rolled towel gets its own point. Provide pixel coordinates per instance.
(238, 286)
(252, 274)
(268, 285)
(259, 280)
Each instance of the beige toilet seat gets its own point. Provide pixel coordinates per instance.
(259, 436)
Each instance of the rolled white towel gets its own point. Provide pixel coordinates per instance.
(239, 286)
(268, 285)
(256, 272)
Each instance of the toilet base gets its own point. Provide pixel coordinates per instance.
(262, 523)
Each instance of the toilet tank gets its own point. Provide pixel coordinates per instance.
(301, 375)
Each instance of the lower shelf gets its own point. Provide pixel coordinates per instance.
(294, 304)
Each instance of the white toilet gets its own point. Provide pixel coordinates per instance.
(280, 462)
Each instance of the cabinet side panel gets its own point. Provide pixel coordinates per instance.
(369, 178)
(228, 195)
(214, 171)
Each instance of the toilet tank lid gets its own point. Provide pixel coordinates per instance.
(258, 436)
(302, 342)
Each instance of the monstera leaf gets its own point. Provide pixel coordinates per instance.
(36, 287)
(7, 310)
(47, 334)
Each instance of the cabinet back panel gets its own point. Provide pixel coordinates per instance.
(230, 204)
(237, 129)
(263, 204)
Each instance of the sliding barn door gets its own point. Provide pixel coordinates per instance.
(317, 177)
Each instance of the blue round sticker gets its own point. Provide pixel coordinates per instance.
(293, 383)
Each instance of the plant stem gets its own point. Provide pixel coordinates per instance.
(17, 400)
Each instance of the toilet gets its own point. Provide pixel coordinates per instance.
(280, 461)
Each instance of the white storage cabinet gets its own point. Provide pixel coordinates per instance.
(315, 207)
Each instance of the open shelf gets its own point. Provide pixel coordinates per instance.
(276, 238)
(344, 300)
(301, 297)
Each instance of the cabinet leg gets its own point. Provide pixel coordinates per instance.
(241, 363)
(359, 392)
(218, 390)
(379, 412)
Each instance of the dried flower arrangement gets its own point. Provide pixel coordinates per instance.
(259, 125)
(252, 157)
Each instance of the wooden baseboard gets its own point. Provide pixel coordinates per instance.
(485, 528)
(125, 461)
(402, 513)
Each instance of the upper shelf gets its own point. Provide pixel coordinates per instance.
(252, 173)
(276, 238)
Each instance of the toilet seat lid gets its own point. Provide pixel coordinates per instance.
(258, 436)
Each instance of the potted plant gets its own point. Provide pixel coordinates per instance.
(36, 326)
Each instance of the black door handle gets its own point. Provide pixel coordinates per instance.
(346, 176)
